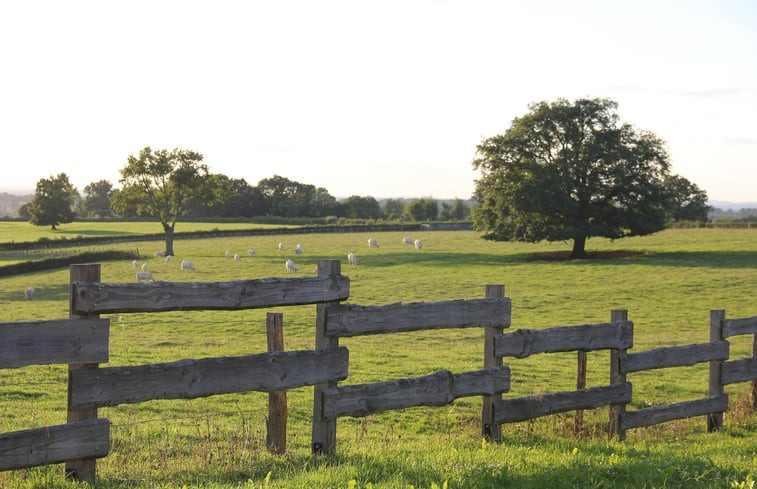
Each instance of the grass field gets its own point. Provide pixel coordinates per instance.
(668, 288)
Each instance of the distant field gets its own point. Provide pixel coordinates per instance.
(23, 231)
(669, 287)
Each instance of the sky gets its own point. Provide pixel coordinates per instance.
(372, 98)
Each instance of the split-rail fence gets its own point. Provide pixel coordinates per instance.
(82, 342)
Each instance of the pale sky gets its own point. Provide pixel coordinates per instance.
(384, 98)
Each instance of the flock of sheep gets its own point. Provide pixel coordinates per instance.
(142, 275)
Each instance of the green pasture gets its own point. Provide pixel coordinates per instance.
(669, 282)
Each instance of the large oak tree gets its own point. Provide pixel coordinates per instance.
(161, 183)
(569, 171)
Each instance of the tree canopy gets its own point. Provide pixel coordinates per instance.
(569, 171)
(162, 183)
(53, 202)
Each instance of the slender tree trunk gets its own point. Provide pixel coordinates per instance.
(579, 247)
(169, 239)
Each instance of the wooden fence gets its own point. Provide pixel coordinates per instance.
(82, 343)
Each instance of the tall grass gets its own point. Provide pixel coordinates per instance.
(668, 287)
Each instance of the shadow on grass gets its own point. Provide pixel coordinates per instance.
(708, 259)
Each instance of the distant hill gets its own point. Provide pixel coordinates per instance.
(10, 203)
(720, 204)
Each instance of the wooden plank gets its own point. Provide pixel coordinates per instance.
(674, 356)
(189, 379)
(588, 337)
(742, 370)
(485, 382)
(680, 410)
(437, 389)
(524, 408)
(733, 327)
(101, 298)
(617, 377)
(55, 444)
(354, 320)
(54, 341)
(714, 385)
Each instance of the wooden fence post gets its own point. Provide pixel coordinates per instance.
(490, 429)
(754, 382)
(276, 439)
(715, 420)
(578, 420)
(81, 470)
(324, 430)
(617, 376)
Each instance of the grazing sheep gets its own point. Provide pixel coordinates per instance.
(169, 258)
(29, 293)
(372, 243)
(298, 250)
(228, 254)
(144, 267)
(187, 265)
(160, 253)
(281, 246)
(145, 277)
(135, 263)
(407, 240)
(251, 252)
(291, 267)
(352, 258)
(418, 244)
(237, 257)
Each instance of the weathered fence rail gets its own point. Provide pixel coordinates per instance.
(27, 343)
(82, 342)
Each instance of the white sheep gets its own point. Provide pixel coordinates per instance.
(407, 240)
(281, 246)
(372, 243)
(352, 258)
(291, 267)
(298, 250)
(144, 267)
(251, 252)
(187, 265)
(145, 277)
(160, 253)
(237, 257)
(29, 293)
(418, 244)
(228, 254)
(135, 263)
(169, 258)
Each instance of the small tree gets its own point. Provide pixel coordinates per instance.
(161, 183)
(53, 202)
(687, 201)
(569, 171)
(424, 209)
(97, 199)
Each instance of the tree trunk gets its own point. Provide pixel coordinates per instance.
(579, 247)
(169, 239)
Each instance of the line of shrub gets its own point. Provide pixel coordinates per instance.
(64, 261)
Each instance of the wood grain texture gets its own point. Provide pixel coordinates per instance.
(345, 320)
(53, 341)
(669, 412)
(55, 444)
(674, 356)
(738, 326)
(588, 337)
(742, 370)
(189, 379)
(101, 298)
(437, 389)
(530, 407)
